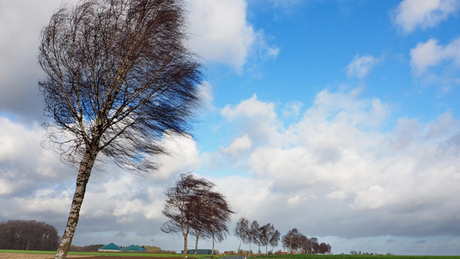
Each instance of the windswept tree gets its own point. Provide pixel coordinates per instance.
(253, 234)
(181, 206)
(241, 231)
(212, 214)
(118, 77)
(265, 232)
(219, 216)
(314, 245)
(324, 248)
(274, 239)
(289, 240)
(193, 207)
(304, 244)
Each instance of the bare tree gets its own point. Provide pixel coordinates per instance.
(289, 240)
(219, 216)
(265, 232)
(303, 244)
(274, 239)
(324, 248)
(180, 205)
(117, 77)
(314, 245)
(211, 215)
(241, 231)
(253, 234)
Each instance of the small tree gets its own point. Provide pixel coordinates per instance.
(253, 234)
(274, 239)
(219, 216)
(180, 205)
(241, 231)
(212, 213)
(118, 77)
(265, 232)
(289, 240)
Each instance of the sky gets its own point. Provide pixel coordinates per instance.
(338, 118)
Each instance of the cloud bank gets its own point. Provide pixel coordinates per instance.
(413, 14)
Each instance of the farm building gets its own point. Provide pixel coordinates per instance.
(199, 251)
(134, 248)
(110, 248)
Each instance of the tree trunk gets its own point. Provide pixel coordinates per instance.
(185, 247)
(239, 247)
(196, 243)
(212, 251)
(82, 180)
(249, 252)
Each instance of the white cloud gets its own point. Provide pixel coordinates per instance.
(221, 33)
(182, 157)
(292, 109)
(430, 53)
(239, 145)
(337, 155)
(206, 95)
(360, 66)
(20, 24)
(411, 14)
(257, 119)
(372, 198)
(435, 63)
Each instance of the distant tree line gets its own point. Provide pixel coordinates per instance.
(298, 243)
(264, 235)
(28, 235)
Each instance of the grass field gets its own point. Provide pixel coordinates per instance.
(345, 256)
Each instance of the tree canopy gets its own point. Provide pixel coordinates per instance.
(193, 207)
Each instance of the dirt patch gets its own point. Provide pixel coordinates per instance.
(39, 256)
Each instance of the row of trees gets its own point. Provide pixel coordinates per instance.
(300, 244)
(255, 234)
(193, 207)
(28, 235)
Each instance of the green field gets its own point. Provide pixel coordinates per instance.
(345, 256)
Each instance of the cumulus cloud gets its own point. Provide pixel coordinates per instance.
(239, 145)
(19, 69)
(360, 66)
(182, 156)
(256, 118)
(221, 33)
(292, 109)
(435, 63)
(337, 159)
(413, 14)
(430, 53)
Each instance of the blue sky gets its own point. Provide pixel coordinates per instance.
(339, 118)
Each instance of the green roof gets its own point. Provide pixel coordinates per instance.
(110, 246)
(134, 248)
